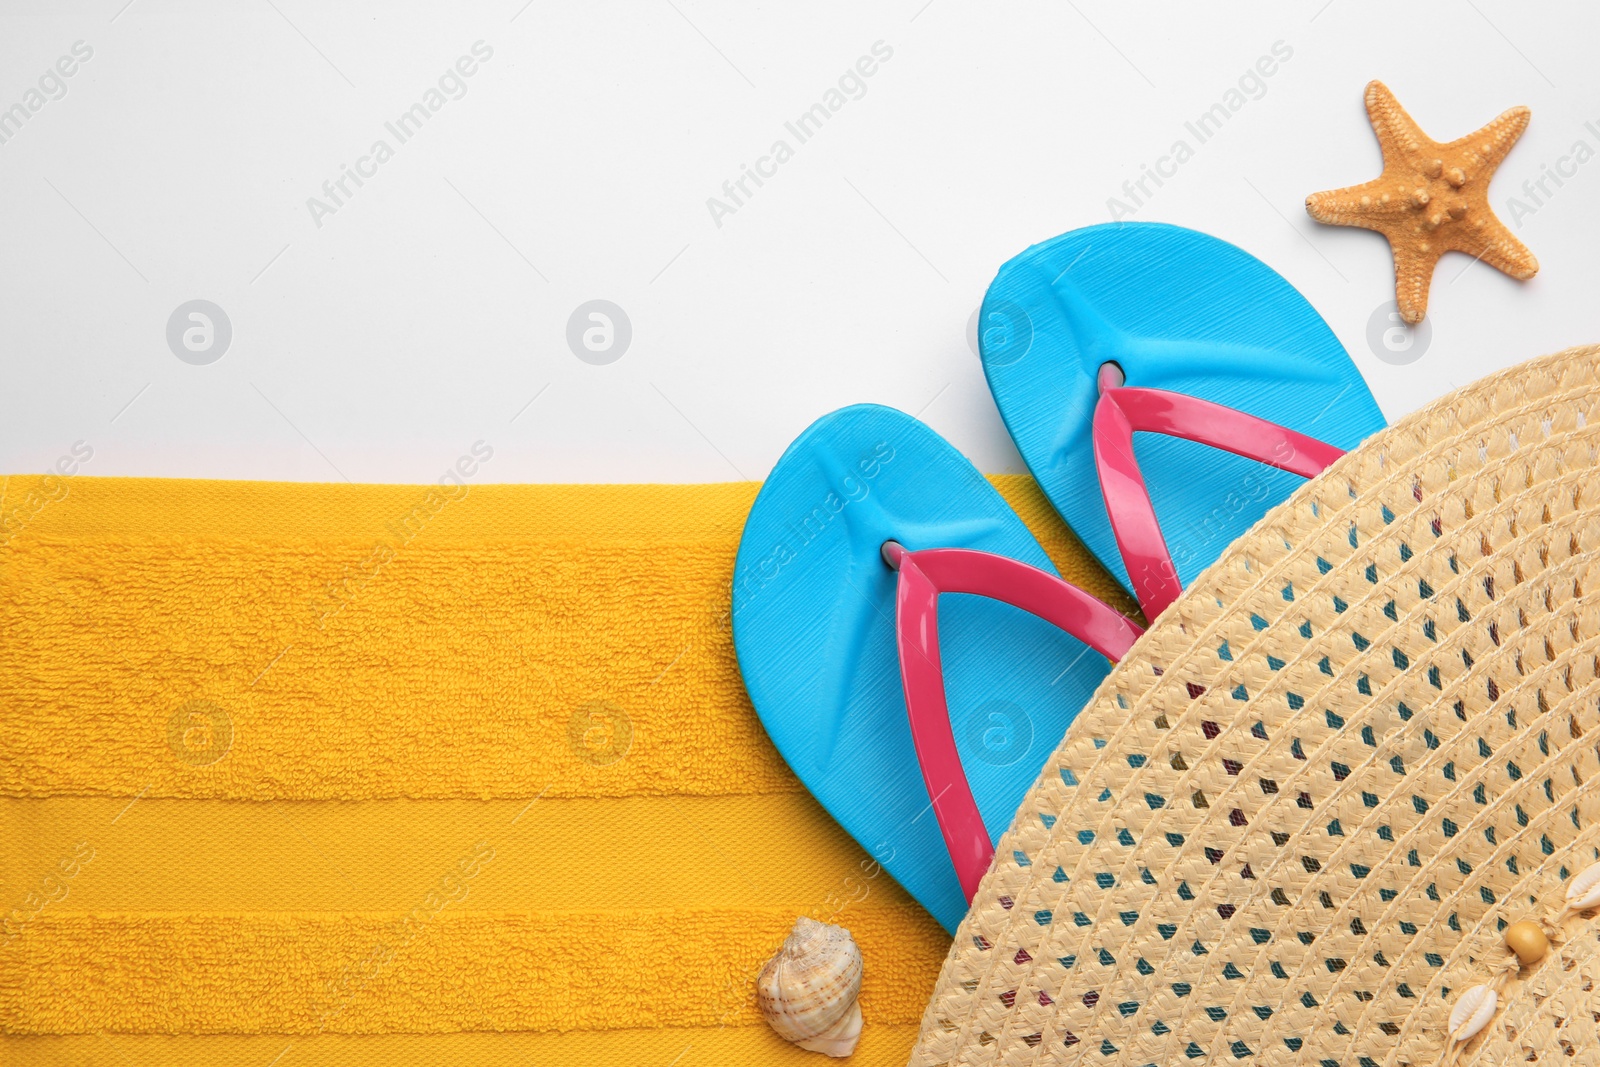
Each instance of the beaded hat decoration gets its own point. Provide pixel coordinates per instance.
(1333, 808)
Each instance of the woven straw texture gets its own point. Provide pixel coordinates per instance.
(1290, 828)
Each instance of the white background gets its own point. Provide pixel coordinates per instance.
(432, 307)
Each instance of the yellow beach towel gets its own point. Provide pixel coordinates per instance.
(296, 774)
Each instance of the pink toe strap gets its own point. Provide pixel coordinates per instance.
(923, 576)
(1120, 412)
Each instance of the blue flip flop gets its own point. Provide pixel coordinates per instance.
(839, 626)
(1123, 327)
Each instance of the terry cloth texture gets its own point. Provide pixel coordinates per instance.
(376, 774)
(1294, 823)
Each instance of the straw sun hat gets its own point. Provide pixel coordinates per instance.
(1295, 825)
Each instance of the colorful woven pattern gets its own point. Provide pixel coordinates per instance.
(366, 774)
(1292, 825)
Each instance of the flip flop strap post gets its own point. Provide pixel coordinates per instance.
(1120, 412)
(923, 576)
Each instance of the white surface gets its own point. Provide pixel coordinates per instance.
(425, 313)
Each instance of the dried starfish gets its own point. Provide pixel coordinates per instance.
(1431, 199)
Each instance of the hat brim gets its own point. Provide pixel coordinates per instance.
(1292, 824)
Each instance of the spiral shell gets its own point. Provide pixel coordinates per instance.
(808, 991)
(1584, 889)
(1473, 1012)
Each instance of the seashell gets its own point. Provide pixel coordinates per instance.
(808, 991)
(1584, 889)
(1473, 1012)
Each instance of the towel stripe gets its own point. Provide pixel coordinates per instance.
(428, 971)
(261, 641)
(385, 855)
(882, 1045)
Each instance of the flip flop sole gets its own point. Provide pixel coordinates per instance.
(1178, 310)
(814, 630)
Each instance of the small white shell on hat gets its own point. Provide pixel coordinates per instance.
(1584, 890)
(1473, 1012)
(1477, 1005)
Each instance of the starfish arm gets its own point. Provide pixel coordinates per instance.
(1362, 205)
(1496, 246)
(1413, 275)
(1486, 148)
(1398, 134)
